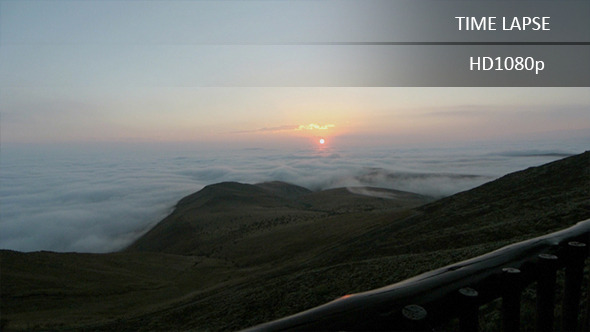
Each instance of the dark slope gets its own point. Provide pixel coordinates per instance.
(284, 190)
(552, 185)
(47, 291)
(521, 204)
(230, 216)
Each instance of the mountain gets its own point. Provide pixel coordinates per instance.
(234, 255)
(230, 220)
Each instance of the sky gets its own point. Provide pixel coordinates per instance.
(230, 73)
(288, 115)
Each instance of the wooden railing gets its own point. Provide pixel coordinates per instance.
(432, 299)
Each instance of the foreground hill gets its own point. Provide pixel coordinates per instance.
(235, 255)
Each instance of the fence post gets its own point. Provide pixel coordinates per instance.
(574, 273)
(469, 316)
(546, 292)
(586, 325)
(415, 317)
(511, 299)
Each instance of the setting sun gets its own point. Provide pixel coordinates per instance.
(322, 141)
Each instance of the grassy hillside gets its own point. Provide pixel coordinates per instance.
(255, 224)
(234, 255)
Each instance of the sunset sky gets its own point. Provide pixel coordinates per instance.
(217, 73)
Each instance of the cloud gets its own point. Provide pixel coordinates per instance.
(80, 203)
(315, 126)
(97, 199)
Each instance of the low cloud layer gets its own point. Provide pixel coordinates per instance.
(100, 200)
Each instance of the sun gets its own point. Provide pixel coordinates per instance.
(322, 141)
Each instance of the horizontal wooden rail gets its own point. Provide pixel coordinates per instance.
(456, 291)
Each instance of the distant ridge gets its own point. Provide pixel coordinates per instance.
(232, 195)
(283, 189)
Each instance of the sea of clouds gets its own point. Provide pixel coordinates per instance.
(99, 198)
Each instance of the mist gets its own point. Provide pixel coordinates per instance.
(100, 198)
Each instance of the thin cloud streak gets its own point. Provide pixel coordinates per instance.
(267, 129)
(315, 126)
(287, 128)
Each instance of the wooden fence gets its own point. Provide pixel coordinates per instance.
(430, 300)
